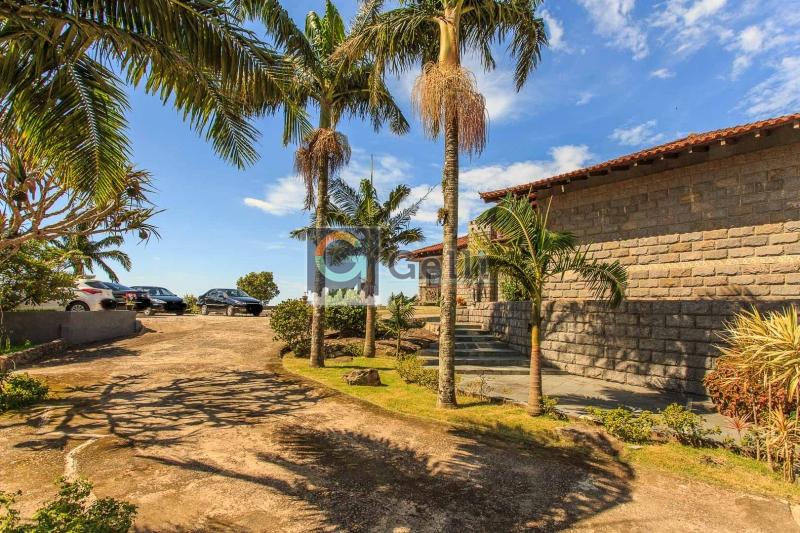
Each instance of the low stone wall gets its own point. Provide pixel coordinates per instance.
(31, 355)
(74, 328)
(661, 344)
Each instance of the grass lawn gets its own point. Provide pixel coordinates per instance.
(717, 466)
(15, 348)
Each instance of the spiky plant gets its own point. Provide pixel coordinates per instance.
(534, 255)
(434, 34)
(84, 254)
(401, 316)
(338, 86)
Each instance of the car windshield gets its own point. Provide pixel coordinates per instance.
(117, 286)
(235, 293)
(159, 291)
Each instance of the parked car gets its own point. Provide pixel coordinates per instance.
(88, 295)
(128, 298)
(231, 300)
(162, 300)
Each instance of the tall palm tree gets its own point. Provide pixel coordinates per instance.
(85, 254)
(388, 223)
(338, 87)
(532, 255)
(63, 65)
(435, 33)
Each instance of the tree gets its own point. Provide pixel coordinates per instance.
(34, 275)
(401, 316)
(338, 86)
(260, 285)
(532, 255)
(388, 224)
(63, 66)
(436, 33)
(84, 254)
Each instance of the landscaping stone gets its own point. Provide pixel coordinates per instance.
(365, 376)
(31, 355)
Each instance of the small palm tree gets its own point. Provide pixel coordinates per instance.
(435, 34)
(390, 222)
(85, 254)
(338, 87)
(533, 255)
(401, 316)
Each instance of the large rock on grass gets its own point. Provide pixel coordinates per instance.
(363, 376)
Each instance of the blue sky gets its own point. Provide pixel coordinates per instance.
(620, 75)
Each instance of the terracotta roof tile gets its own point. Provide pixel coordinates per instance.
(694, 140)
(436, 249)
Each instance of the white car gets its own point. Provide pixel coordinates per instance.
(89, 295)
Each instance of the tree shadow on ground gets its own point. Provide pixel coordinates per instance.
(171, 412)
(356, 482)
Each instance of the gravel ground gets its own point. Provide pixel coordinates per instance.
(195, 423)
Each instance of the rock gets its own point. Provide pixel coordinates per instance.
(365, 376)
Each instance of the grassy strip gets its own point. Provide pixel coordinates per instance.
(717, 466)
(16, 348)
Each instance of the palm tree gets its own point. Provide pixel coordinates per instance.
(532, 255)
(338, 87)
(63, 65)
(436, 33)
(388, 231)
(401, 316)
(84, 254)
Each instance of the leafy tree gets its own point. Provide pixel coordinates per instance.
(532, 255)
(260, 285)
(401, 316)
(84, 254)
(34, 274)
(390, 221)
(64, 66)
(291, 321)
(435, 33)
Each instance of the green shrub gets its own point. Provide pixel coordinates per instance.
(512, 290)
(411, 370)
(70, 512)
(626, 424)
(291, 323)
(687, 426)
(550, 407)
(191, 304)
(346, 319)
(20, 390)
(354, 349)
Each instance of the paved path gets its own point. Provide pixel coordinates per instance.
(193, 422)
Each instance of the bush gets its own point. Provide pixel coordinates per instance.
(354, 349)
(550, 407)
(687, 426)
(20, 390)
(511, 290)
(349, 320)
(291, 323)
(191, 304)
(626, 424)
(411, 370)
(70, 512)
(259, 285)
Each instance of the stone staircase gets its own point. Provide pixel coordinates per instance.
(479, 352)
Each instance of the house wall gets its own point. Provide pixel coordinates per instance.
(700, 241)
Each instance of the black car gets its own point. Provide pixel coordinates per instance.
(129, 298)
(162, 300)
(231, 300)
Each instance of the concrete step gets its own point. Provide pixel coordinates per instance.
(493, 361)
(472, 370)
(471, 345)
(469, 327)
(475, 352)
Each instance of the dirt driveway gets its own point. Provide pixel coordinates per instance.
(192, 422)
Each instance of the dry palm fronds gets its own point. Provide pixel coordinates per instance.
(445, 91)
(323, 149)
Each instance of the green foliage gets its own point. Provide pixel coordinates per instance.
(70, 512)
(687, 426)
(83, 254)
(550, 407)
(259, 285)
(20, 390)
(191, 304)
(354, 349)
(291, 322)
(411, 370)
(401, 316)
(511, 290)
(349, 320)
(626, 424)
(34, 275)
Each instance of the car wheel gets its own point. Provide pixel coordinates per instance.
(255, 314)
(148, 311)
(77, 307)
(230, 310)
(204, 310)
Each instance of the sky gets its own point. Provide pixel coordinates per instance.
(618, 76)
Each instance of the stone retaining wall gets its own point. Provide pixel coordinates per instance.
(31, 355)
(661, 344)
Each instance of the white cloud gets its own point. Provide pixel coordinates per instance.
(614, 19)
(584, 98)
(702, 9)
(555, 31)
(689, 24)
(778, 94)
(284, 197)
(638, 135)
(778, 35)
(662, 73)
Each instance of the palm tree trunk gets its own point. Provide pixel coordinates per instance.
(447, 321)
(535, 389)
(369, 336)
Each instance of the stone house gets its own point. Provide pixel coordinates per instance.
(706, 225)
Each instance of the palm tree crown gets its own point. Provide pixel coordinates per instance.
(83, 254)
